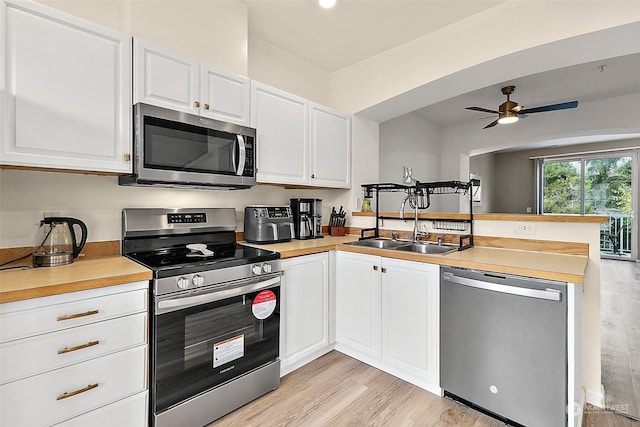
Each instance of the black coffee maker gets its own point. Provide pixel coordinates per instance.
(307, 218)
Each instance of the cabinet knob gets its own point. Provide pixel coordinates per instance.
(206, 106)
(384, 270)
(197, 104)
(375, 268)
(313, 176)
(126, 157)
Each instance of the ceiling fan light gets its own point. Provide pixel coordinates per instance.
(508, 117)
(327, 4)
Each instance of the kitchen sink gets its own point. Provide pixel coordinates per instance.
(403, 245)
(379, 243)
(426, 248)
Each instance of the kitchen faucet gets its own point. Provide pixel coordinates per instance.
(412, 197)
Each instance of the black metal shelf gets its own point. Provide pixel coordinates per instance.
(425, 189)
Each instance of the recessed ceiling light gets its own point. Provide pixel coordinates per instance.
(327, 4)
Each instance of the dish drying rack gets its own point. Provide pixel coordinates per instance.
(423, 192)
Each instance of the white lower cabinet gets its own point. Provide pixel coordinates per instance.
(304, 310)
(387, 315)
(79, 358)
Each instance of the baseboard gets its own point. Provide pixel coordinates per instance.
(596, 398)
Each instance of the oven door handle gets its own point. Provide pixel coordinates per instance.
(168, 305)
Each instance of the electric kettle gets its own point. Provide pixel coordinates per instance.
(55, 242)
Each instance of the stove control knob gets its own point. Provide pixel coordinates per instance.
(183, 282)
(197, 280)
(266, 268)
(256, 269)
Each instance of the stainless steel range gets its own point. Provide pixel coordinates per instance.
(214, 329)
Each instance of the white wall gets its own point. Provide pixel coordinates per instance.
(276, 67)
(484, 166)
(430, 69)
(184, 26)
(410, 141)
(98, 201)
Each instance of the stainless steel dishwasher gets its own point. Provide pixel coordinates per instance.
(503, 345)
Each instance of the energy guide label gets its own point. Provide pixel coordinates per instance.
(264, 304)
(228, 350)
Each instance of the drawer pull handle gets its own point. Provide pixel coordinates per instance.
(75, 316)
(73, 393)
(78, 347)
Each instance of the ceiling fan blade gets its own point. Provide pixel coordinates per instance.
(554, 107)
(484, 110)
(492, 124)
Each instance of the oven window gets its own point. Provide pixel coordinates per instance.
(201, 347)
(177, 146)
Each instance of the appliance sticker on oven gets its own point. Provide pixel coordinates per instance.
(264, 304)
(228, 350)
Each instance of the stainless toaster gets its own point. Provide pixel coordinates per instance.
(268, 224)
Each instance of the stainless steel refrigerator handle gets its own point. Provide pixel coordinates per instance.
(243, 155)
(547, 294)
(168, 305)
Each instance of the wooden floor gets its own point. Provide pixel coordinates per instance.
(620, 306)
(336, 390)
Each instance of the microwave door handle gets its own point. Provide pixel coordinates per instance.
(243, 155)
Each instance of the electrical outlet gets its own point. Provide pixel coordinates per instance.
(525, 228)
(48, 214)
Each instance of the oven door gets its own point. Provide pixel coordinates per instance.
(204, 339)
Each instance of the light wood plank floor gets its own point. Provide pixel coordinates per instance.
(336, 390)
(620, 308)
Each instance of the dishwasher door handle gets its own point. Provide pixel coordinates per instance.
(546, 294)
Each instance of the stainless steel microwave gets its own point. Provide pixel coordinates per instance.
(176, 149)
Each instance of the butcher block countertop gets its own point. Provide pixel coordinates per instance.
(541, 265)
(84, 273)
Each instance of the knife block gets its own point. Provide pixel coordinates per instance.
(337, 231)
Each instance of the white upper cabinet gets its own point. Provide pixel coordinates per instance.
(225, 96)
(170, 80)
(66, 91)
(299, 142)
(282, 121)
(329, 136)
(165, 78)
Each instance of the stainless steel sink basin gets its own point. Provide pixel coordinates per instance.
(426, 248)
(379, 243)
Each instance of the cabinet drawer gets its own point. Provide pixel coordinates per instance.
(30, 356)
(55, 317)
(130, 412)
(40, 400)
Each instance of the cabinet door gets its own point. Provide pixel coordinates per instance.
(358, 302)
(281, 120)
(66, 91)
(329, 141)
(410, 315)
(304, 310)
(165, 78)
(225, 96)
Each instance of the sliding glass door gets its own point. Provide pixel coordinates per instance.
(597, 186)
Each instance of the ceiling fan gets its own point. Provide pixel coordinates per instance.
(510, 112)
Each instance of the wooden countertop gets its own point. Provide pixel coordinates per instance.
(296, 248)
(541, 265)
(84, 273)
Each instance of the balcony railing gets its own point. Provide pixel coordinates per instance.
(615, 235)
